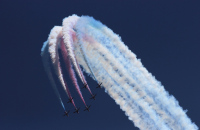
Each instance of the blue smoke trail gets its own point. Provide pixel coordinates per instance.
(46, 61)
(138, 93)
(103, 55)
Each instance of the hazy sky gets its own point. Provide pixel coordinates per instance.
(164, 35)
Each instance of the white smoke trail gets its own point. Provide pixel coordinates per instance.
(104, 51)
(108, 60)
(68, 24)
(54, 40)
(107, 64)
(69, 38)
(130, 72)
(47, 66)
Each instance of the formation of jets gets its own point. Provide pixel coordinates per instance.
(66, 113)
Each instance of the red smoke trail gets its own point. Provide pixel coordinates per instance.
(70, 70)
(81, 73)
(67, 88)
(85, 82)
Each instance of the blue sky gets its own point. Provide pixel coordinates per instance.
(163, 34)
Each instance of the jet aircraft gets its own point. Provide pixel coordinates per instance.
(93, 96)
(85, 86)
(70, 100)
(77, 110)
(66, 113)
(87, 108)
(99, 85)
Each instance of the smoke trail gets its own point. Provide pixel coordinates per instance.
(54, 41)
(68, 32)
(69, 38)
(46, 63)
(104, 51)
(70, 70)
(108, 60)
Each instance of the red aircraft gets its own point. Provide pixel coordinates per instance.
(77, 110)
(99, 85)
(66, 113)
(87, 108)
(93, 96)
(85, 86)
(70, 100)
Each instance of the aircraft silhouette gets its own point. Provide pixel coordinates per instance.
(85, 86)
(87, 108)
(77, 110)
(93, 96)
(70, 100)
(66, 113)
(99, 85)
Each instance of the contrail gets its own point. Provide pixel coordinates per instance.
(103, 55)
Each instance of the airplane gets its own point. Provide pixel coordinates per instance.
(87, 108)
(85, 86)
(93, 96)
(66, 113)
(99, 85)
(70, 100)
(77, 110)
